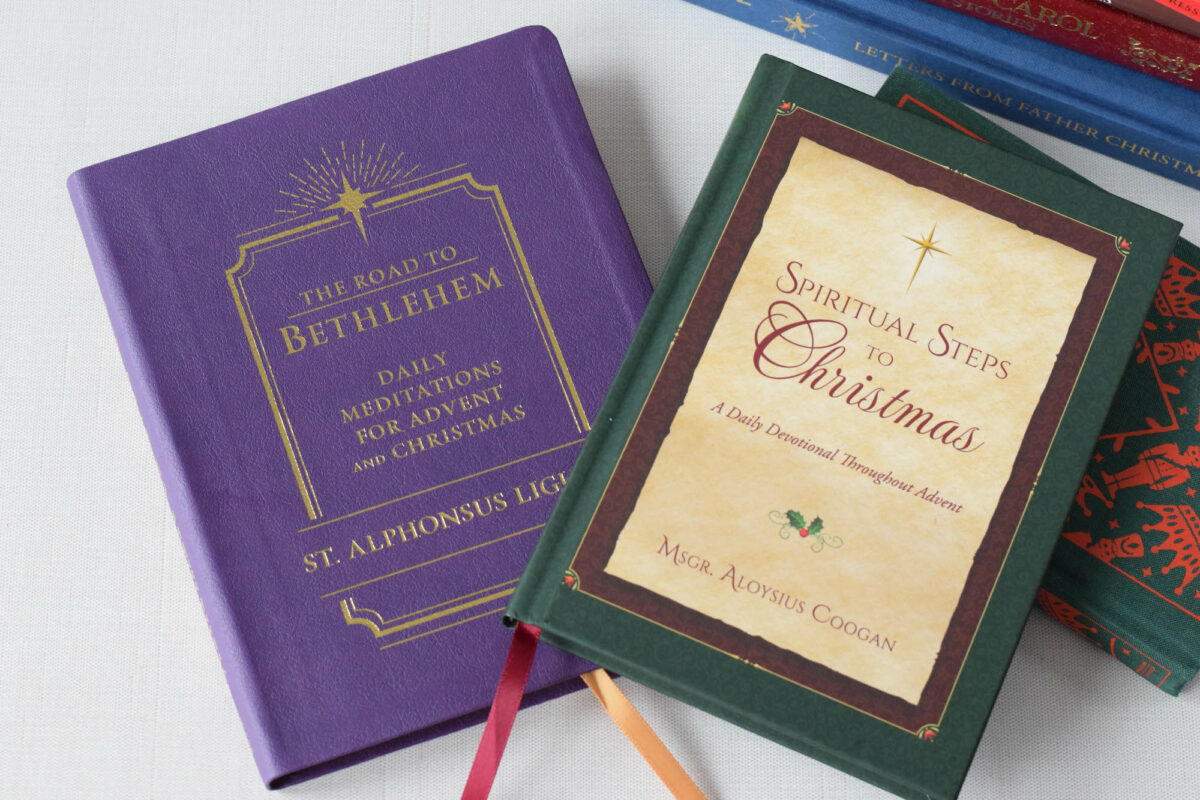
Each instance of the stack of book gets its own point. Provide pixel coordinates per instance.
(1129, 37)
(1123, 573)
(1052, 65)
(815, 480)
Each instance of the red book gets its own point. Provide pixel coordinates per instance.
(1096, 29)
(1182, 15)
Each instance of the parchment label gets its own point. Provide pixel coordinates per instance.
(876, 365)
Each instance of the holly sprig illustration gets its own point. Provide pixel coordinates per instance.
(794, 520)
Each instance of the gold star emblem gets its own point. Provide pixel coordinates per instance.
(797, 24)
(925, 244)
(352, 201)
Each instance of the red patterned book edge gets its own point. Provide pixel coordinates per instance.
(1103, 637)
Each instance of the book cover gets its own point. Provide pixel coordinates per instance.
(1124, 574)
(1114, 111)
(835, 462)
(1096, 30)
(1182, 15)
(368, 331)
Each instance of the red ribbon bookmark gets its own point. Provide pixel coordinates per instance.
(504, 710)
(513, 678)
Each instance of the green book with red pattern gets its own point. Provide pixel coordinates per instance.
(1126, 571)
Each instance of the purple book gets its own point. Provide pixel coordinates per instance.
(368, 331)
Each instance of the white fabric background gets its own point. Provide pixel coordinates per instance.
(109, 682)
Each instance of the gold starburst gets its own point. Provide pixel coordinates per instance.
(926, 244)
(797, 24)
(324, 179)
(352, 201)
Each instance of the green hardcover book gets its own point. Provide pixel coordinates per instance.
(827, 480)
(1126, 572)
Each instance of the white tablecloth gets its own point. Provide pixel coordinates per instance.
(109, 682)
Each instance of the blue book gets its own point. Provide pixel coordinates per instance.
(1146, 122)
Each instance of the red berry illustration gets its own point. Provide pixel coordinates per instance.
(794, 521)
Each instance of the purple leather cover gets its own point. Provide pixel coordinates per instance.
(367, 331)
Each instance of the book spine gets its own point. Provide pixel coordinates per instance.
(1156, 12)
(1095, 609)
(1096, 30)
(219, 612)
(1145, 122)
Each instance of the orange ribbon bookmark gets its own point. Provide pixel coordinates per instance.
(678, 782)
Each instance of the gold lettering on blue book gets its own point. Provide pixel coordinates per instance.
(1014, 105)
